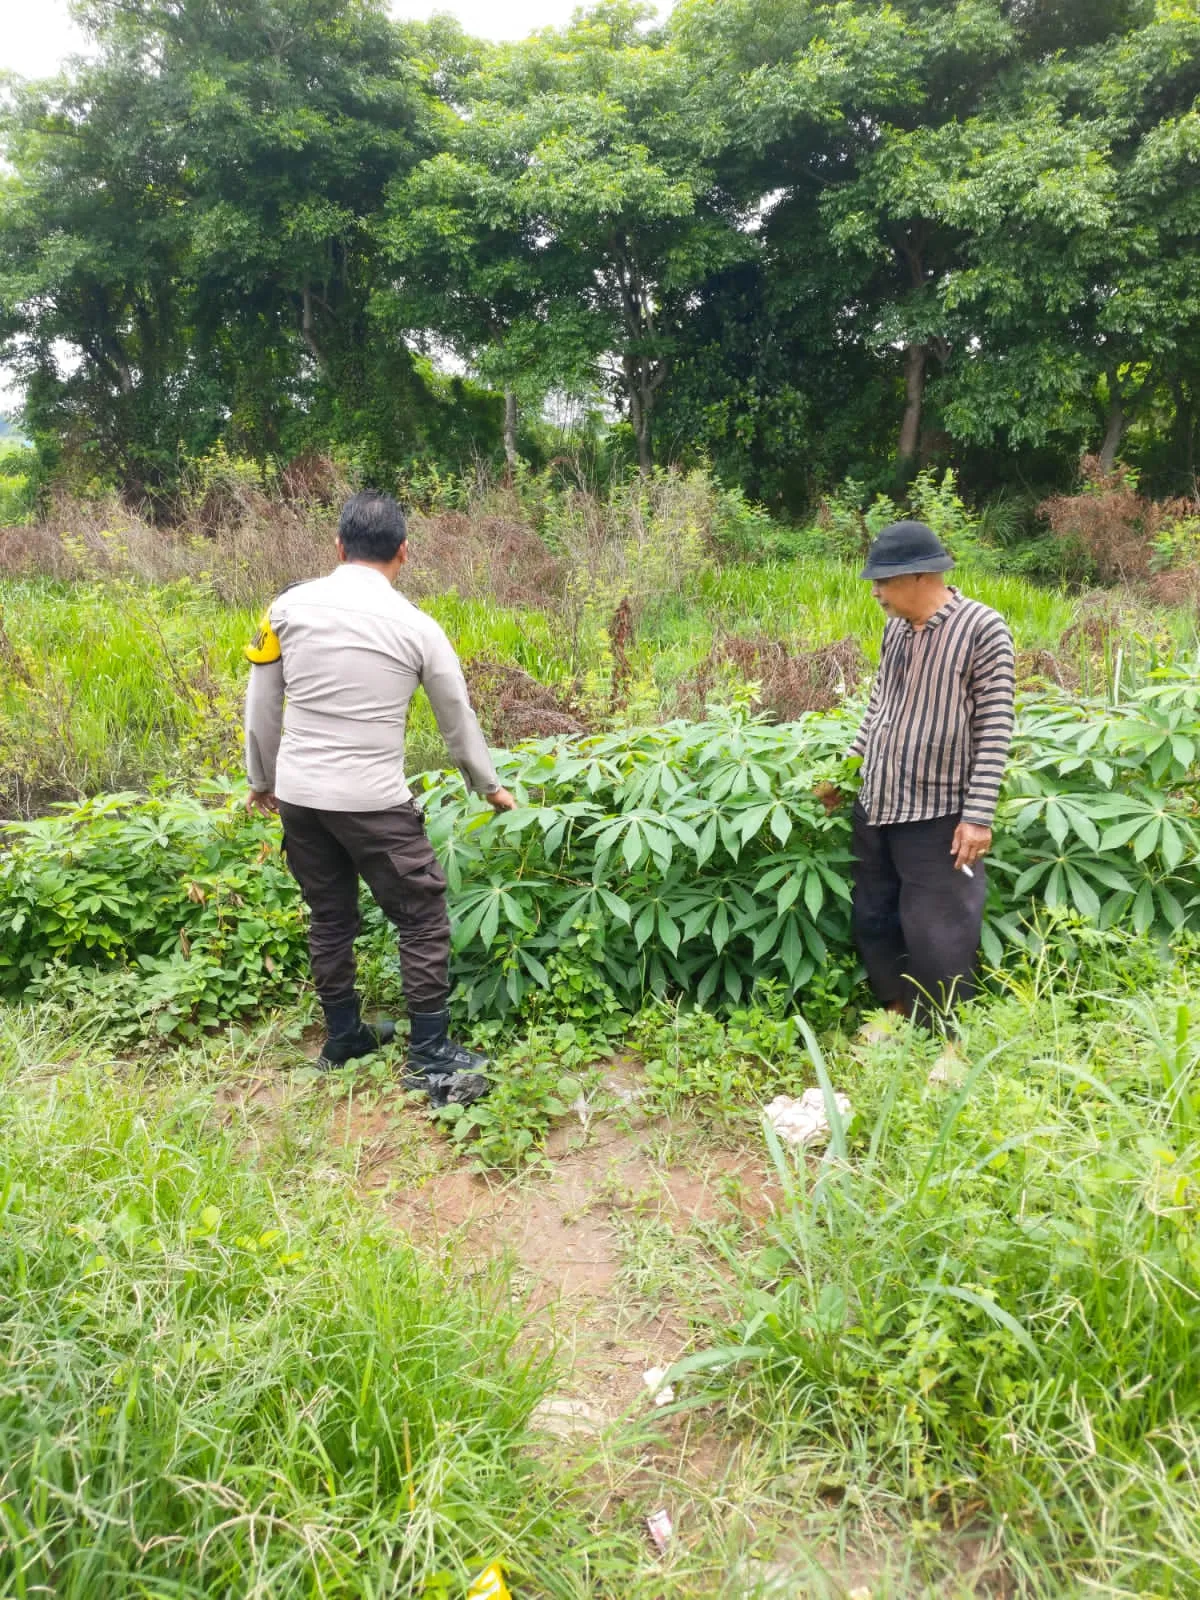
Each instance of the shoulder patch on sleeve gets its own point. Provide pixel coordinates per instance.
(264, 647)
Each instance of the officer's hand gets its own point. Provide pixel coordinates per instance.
(261, 802)
(969, 843)
(501, 800)
(830, 796)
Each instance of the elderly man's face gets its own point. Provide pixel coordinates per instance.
(904, 597)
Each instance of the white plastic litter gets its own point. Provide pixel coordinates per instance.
(661, 1531)
(661, 1393)
(582, 1108)
(804, 1123)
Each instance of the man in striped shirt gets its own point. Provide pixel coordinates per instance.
(933, 743)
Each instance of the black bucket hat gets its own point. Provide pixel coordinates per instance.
(906, 547)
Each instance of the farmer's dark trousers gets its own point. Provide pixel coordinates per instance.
(328, 851)
(916, 919)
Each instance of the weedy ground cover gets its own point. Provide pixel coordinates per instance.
(985, 1301)
(215, 1384)
(955, 1358)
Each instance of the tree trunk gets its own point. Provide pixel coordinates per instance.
(643, 374)
(510, 432)
(308, 328)
(1183, 436)
(1116, 425)
(641, 428)
(915, 358)
(640, 400)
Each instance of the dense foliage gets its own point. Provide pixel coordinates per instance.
(210, 1384)
(687, 859)
(806, 239)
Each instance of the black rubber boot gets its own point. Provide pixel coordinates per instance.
(348, 1036)
(449, 1071)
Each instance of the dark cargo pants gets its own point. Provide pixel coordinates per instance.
(917, 919)
(328, 851)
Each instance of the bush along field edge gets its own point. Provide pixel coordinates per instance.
(688, 859)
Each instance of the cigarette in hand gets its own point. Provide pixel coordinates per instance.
(965, 868)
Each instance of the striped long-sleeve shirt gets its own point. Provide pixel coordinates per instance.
(939, 721)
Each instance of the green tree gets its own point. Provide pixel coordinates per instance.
(1077, 298)
(942, 184)
(193, 217)
(574, 215)
(821, 102)
(296, 116)
(95, 311)
(467, 272)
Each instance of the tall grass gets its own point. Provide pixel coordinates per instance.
(106, 686)
(984, 1307)
(817, 602)
(109, 684)
(209, 1387)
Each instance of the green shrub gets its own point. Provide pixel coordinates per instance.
(690, 857)
(179, 915)
(745, 531)
(17, 494)
(698, 860)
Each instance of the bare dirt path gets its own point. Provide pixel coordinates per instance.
(619, 1248)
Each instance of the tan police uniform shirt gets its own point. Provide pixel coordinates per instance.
(325, 723)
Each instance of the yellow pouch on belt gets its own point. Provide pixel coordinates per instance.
(489, 1585)
(264, 647)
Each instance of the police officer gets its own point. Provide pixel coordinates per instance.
(335, 664)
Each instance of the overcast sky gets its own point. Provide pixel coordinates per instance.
(35, 35)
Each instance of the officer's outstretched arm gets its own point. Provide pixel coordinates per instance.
(446, 687)
(263, 725)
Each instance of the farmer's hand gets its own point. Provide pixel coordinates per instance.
(969, 843)
(261, 802)
(830, 796)
(501, 800)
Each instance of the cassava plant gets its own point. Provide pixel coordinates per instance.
(689, 859)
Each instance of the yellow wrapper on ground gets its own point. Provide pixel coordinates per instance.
(489, 1585)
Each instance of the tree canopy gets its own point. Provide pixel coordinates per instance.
(801, 239)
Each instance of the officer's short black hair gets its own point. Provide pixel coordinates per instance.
(371, 526)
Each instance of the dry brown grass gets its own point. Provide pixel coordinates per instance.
(480, 555)
(1178, 587)
(789, 682)
(1040, 669)
(1110, 523)
(513, 706)
(248, 548)
(1106, 619)
(249, 544)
